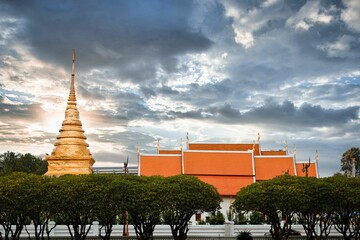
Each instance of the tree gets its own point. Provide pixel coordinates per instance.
(276, 198)
(355, 215)
(345, 205)
(352, 154)
(16, 162)
(40, 208)
(144, 202)
(185, 196)
(16, 198)
(75, 202)
(111, 191)
(314, 207)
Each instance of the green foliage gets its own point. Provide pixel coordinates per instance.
(256, 218)
(111, 192)
(79, 200)
(184, 196)
(244, 235)
(345, 205)
(323, 202)
(215, 218)
(338, 174)
(201, 222)
(16, 162)
(41, 208)
(241, 218)
(76, 199)
(145, 202)
(22, 196)
(280, 194)
(346, 161)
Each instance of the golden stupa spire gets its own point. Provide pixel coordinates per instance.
(71, 154)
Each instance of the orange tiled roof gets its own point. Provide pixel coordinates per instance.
(218, 163)
(311, 170)
(163, 165)
(228, 167)
(267, 167)
(228, 185)
(224, 147)
(167, 151)
(273, 153)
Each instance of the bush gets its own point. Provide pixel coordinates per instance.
(244, 235)
(201, 222)
(216, 218)
(241, 219)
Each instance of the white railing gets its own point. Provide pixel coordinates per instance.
(227, 230)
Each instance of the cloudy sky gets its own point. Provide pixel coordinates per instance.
(153, 70)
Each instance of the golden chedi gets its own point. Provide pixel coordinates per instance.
(71, 154)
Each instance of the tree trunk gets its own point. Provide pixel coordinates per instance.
(108, 229)
(179, 232)
(144, 231)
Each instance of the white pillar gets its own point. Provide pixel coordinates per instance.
(95, 228)
(229, 228)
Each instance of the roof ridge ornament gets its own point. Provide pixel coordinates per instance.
(158, 146)
(259, 139)
(137, 148)
(187, 140)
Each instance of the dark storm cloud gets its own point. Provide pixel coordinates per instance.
(131, 106)
(125, 145)
(306, 115)
(167, 91)
(288, 4)
(15, 120)
(210, 93)
(129, 139)
(283, 53)
(128, 107)
(134, 110)
(339, 93)
(93, 93)
(150, 91)
(198, 114)
(115, 157)
(276, 114)
(130, 36)
(12, 112)
(197, 95)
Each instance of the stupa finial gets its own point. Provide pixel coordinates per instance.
(72, 96)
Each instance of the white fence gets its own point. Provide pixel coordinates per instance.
(227, 230)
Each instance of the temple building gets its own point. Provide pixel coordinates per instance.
(71, 154)
(227, 166)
